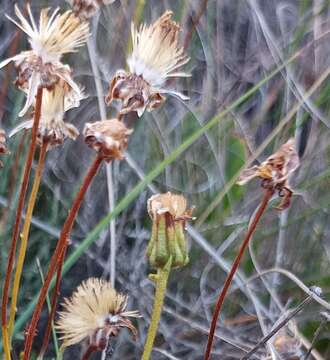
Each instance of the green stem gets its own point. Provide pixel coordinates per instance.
(161, 283)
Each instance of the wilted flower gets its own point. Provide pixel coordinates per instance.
(107, 137)
(41, 66)
(94, 312)
(275, 171)
(169, 214)
(85, 9)
(3, 145)
(156, 57)
(56, 101)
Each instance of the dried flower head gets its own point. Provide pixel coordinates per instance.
(55, 102)
(3, 144)
(156, 57)
(41, 66)
(275, 172)
(109, 138)
(85, 9)
(169, 214)
(94, 312)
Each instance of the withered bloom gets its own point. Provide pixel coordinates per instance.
(3, 144)
(85, 9)
(52, 128)
(109, 138)
(156, 57)
(169, 214)
(94, 312)
(275, 172)
(41, 66)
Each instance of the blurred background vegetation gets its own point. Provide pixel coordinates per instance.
(234, 46)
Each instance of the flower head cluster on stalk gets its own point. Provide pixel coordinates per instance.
(94, 312)
(275, 172)
(155, 58)
(41, 66)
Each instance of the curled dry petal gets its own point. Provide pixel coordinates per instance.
(109, 138)
(275, 171)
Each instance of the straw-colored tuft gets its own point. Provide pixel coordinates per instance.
(52, 128)
(94, 306)
(156, 56)
(55, 36)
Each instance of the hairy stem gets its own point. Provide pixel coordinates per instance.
(267, 196)
(25, 236)
(59, 250)
(160, 279)
(21, 199)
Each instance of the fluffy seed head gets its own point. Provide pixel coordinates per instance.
(108, 137)
(55, 36)
(156, 56)
(94, 312)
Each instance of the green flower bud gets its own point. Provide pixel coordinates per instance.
(169, 215)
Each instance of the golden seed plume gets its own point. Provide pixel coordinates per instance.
(93, 308)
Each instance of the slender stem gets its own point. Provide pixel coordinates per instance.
(160, 279)
(267, 196)
(56, 293)
(25, 236)
(88, 352)
(60, 247)
(23, 189)
(109, 167)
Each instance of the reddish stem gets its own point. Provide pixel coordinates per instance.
(56, 293)
(20, 205)
(89, 352)
(60, 248)
(267, 196)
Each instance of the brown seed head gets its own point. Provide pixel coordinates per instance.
(85, 9)
(109, 138)
(94, 312)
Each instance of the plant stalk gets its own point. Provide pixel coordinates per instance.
(267, 196)
(160, 279)
(56, 293)
(25, 236)
(59, 250)
(23, 189)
